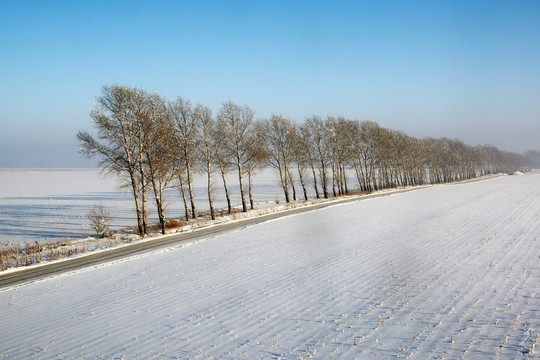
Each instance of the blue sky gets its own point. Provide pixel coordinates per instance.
(465, 69)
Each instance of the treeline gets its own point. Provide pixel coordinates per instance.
(154, 143)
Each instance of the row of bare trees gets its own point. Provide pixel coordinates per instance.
(153, 144)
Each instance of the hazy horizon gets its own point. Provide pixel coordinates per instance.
(465, 70)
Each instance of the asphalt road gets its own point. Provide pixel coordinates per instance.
(32, 273)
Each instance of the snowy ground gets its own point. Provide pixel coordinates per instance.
(49, 204)
(450, 271)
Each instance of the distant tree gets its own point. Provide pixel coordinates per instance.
(186, 127)
(306, 150)
(300, 157)
(416, 166)
(315, 133)
(434, 151)
(236, 122)
(330, 140)
(533, 158)
(514, 161)
(255, 157)
(222, 158)
(367, 154)
(277, 133)
(340, 139)
(207, 148)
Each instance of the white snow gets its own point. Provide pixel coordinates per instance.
(49, 204)
(449, 271)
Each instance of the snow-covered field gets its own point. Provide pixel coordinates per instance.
(50, 204)
(449, 271)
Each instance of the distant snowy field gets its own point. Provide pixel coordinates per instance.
(450, 271)
(50, 204)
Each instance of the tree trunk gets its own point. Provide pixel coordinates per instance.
(322, 172)
(344, 174)
(249, 190)
(302, 182)
(143, 195)
(284, 182)
(190, 189)
(334, 176)
(359, 177)
(210, 202)
(183, 193)
(369, 175)
(341, 181)
(241, 181)
(137, 204)
(227, 196)
(292, 182)
(144, 215)
(314, 180)
(158, 194)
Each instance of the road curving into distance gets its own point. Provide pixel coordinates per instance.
(32, 273)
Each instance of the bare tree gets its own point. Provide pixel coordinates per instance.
(331, 141)
(222, 158)
(141, 109)
(237, 125)
(160, 156)
(147, 141)
(116, 117)
(186, 129)
(341, 136)
(300, 157)
(277, 133)
(532, 158)
(99, 219)
(256, 156)
(367, 155)
(207, 148)
(434, 153)
(316, 133)
(306, 150)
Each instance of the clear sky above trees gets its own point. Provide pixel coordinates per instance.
(466, 69)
